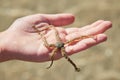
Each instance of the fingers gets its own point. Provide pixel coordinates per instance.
(95, 29)
(86, 43)
(92, 25)
(52, 19)
(100, 28)
(71, 30)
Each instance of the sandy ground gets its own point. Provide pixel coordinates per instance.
(100, 62)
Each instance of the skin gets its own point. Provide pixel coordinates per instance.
(21, 42)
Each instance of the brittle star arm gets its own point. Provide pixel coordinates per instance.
(42, 36)
(47, 45)
(75, 40)
(54, 51)
(56, 33)
(63, 50)
(69, 60)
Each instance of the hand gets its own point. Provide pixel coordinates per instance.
(22, 42)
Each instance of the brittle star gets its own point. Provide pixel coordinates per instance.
(59, 46)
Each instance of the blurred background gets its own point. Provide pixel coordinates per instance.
(100, 62)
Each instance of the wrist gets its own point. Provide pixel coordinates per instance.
(4, 55)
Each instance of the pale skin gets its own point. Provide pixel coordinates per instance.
(21, 42)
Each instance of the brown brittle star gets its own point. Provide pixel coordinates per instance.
(59, 46)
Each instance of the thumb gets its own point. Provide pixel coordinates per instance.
(60, 19)
(52, 19)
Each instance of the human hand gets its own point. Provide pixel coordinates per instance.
(21, 41)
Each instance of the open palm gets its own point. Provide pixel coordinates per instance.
(22, 42)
